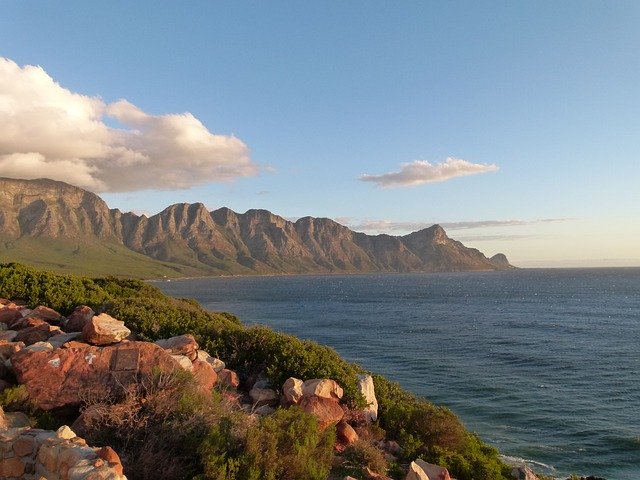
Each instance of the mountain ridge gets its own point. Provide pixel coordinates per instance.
(187, 239)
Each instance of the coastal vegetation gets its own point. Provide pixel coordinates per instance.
(203, 436)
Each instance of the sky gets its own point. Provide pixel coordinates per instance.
(514, 125)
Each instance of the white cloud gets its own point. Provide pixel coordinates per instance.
(49, 131)
(421, 171)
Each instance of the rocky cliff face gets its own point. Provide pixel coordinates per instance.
(224, 241)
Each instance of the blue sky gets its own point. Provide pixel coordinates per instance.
(296, 101)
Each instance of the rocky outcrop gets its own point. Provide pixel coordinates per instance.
(66, 376)
(33, 454)
(223, 241)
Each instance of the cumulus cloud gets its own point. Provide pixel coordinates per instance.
(50, 131)
(421, 171)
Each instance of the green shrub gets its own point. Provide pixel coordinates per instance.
(362, 455)
(288, 446)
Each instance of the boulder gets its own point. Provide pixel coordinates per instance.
(263, 396)
(78, 319)
(366, 388)
(229, 378)
(181, 345)
(433, 472)
(47, 314)
(322, 387)
(183, 361)
(9, 315)
(67, 376)
(523, 472)
(8, 349)
(216, 363)
(345, 433)
(37, 333)
(291, 391)
(110, 456)
(7, 335)
(27, 322)
(104, 330)
(327, 411)
(204, 374)
(416, 473)
(264, 410)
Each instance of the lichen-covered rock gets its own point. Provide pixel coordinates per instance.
(104, 330)
(63, 377)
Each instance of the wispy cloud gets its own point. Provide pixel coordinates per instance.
(421, 171)
(50, 131)
(390, 226)
(491, 238)
(498, 223)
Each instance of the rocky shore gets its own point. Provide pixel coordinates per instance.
(122, 386)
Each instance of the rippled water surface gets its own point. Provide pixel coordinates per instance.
(543, 364)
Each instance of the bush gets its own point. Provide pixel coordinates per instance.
(288, 446)
(362, 455)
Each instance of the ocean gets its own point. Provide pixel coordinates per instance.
(544, 364)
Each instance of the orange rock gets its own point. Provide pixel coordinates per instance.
(78, 319)
(62, 377)
(229, 378)
(204, 374)
(108, 454)
(326, 410)
(345, 433)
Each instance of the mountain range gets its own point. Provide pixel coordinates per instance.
(52, 224)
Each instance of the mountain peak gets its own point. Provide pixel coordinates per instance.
(223, 241)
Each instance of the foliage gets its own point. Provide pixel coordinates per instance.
(362, 455)
(288, 445)
(435, 434)
(206, 439)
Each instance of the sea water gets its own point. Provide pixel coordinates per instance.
(543, 364)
